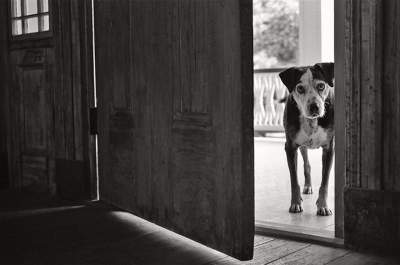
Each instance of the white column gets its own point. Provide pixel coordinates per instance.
(327, 34)
(309, 32)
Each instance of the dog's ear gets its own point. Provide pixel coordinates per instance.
(290, 77)
(328, 72)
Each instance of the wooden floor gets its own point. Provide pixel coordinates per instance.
(99, 234)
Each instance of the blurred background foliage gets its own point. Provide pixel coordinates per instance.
(276, 33)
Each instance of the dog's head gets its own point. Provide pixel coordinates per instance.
(310, 87)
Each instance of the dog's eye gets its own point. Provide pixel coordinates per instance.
(320, 86)
(300, 89)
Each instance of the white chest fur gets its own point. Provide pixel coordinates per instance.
(311, 135)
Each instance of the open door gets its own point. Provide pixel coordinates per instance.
(175, 101)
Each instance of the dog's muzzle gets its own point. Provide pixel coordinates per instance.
(314, 110)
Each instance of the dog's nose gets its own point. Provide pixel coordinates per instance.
(314, 109)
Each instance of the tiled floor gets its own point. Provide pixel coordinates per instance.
(272, 186)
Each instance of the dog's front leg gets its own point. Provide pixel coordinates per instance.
(327, 158)
(291, 155)
(307, 171)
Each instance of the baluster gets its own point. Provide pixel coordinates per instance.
(259, 111)
(268, 112)
(280, 107)
(269, 100)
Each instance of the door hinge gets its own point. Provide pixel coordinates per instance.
(93, 121)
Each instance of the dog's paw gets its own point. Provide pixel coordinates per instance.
(295, 202)
(322, 206)
(295, 208)
(324, 211)
(307, 189)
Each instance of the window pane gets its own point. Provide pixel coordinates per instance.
(44, 5)
(16, 27)
(16, 8)
(31, 25)
(30, 7)
(44, 23)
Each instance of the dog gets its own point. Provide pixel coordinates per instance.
(309, 123)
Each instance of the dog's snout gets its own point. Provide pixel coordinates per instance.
(314, 108)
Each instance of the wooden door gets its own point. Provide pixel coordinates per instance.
(31, 138)
(175, 92)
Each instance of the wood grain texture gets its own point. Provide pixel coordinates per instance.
(340, 113)
(362, 259)
(371, 94)
(352, 82)
(64, 123)
(372, 220)
(312, 255)
(4, 104)
(370, 64)
(71, 235)
(266, 253)
(31, 97)
(391, 96)
(74, 92)
(175, 143)
(88, 94)
(49, 85)
(372, 110)
(260, 239)
(71, 35)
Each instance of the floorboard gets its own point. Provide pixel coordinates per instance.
(267, 252)
(100, 234)
(354, 258)
(311, 255)
(259, 239)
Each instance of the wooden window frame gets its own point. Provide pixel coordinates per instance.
(34, 35)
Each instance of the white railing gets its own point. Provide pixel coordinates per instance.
(268, 90)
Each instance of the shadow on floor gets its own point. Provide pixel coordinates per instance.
(96, 233)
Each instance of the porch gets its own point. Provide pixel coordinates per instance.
(272, 181)
(272, 189)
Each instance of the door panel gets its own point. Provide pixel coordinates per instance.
(35, 108)
(174, 85)
(31, 118)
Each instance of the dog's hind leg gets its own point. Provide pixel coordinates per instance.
(307, 171)
(291, 155)
(327, 158)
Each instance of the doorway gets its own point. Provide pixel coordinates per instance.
(286, 34)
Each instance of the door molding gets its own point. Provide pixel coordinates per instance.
(340, 113)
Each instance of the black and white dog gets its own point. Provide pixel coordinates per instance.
(308, 122)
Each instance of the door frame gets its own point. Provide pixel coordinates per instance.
(340, 52)
(340, 114)
(86, 14)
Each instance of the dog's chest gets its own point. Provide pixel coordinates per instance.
(311, 135)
